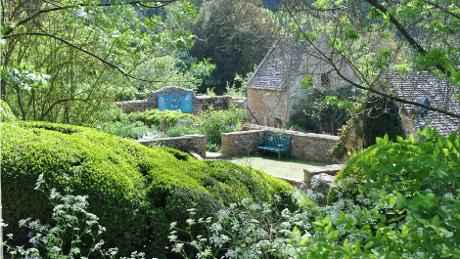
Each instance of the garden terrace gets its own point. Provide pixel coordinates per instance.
(303, 146)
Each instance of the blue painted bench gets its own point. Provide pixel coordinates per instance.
(275, 142)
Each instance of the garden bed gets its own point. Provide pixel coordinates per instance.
(154, 125)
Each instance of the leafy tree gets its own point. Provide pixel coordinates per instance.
(235, 35)
(65, 61)
(374, 37)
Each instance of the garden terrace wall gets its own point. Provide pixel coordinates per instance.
(314, 147)
(190, 143)
(303, 146)
(241, 143)
(199, 104)
(238, 102)
(135, 105)
(203, 103)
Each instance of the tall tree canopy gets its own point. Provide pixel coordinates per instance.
(235, 35)
(63, 60)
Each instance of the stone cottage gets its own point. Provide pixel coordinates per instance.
(277, 89)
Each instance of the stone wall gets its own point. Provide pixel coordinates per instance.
(190, 143)
(306, 146)
(135, 105)
(202, 103)
(241, 143)
(313, 147)
(238, 102)
(268, 106)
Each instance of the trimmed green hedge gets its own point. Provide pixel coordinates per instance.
(135, 190)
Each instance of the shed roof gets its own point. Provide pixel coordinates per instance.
(418, 85)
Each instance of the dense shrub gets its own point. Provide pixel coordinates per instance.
(127, 129)
(323, 111)
(174, 123)
(242, 230)
(397, 199)
(214, 123)
(161, 119)
(178, 131)
(116, 122)
(5, 112)
(73, 233)
(135, 190)
(408, 165)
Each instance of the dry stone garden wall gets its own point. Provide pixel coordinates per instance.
(304, 146)
(190, 143)
(135, 106)
(200, 103)
(241, 143)
(313, 147)
(203, 103)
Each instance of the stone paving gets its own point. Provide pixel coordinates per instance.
(286, 169)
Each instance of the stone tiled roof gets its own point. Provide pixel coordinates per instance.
(280, 60)
(440, 93)
(285, 57)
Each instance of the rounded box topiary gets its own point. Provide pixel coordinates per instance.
(135, 190)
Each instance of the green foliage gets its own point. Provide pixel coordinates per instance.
(74, 233)
(414, 164)
(395, 199)
(324, 112)
(243, 230)
(45, 79)
(116, 122)
(235, 35)
(127, 129)
(307, 82)
(155, 123)
(161, 119)
(377, 36)
(239, 87)
(214, 123)
(5, 112)
(178, 131)
(135, 190)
